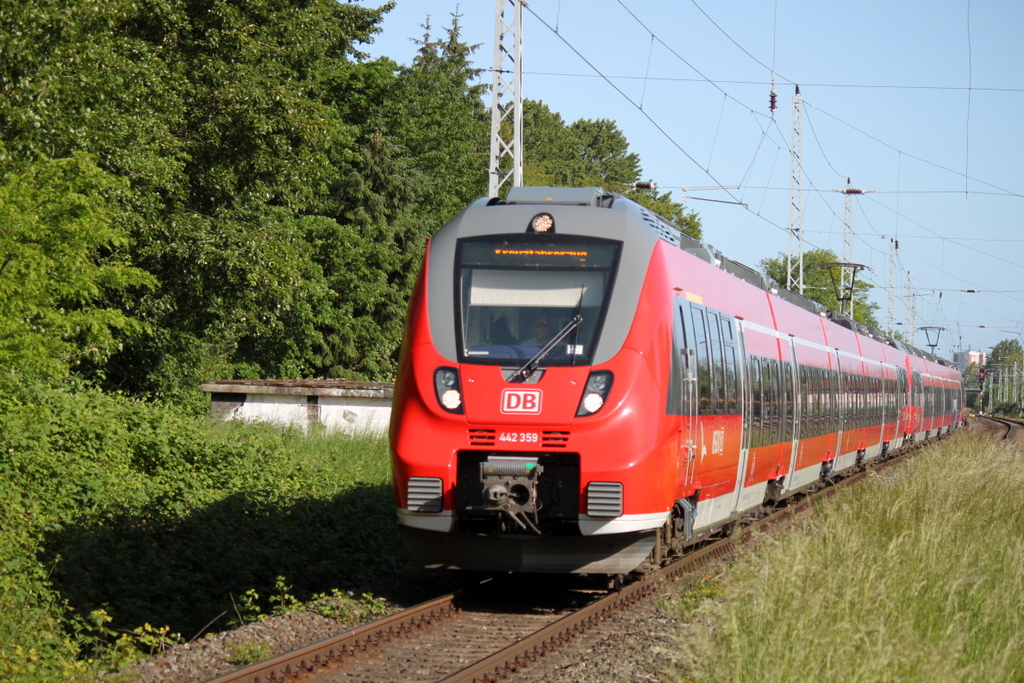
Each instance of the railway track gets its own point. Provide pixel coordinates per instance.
(500, 627)
(1014, 428)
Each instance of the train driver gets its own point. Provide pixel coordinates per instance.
(542, 331)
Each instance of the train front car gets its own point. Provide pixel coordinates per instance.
(527, 435)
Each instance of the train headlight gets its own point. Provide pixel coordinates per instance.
(592, 402)
(449, 392)
(596, 393)
(542, 222)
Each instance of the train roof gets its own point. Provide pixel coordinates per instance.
(668, 232)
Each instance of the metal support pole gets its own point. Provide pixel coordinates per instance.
(795, 257)
(506, 160)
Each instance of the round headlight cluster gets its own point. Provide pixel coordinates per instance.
(451, 399)
(592, 402)
(449, 393)
(596, 393)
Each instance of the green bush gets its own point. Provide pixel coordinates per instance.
(146, 515)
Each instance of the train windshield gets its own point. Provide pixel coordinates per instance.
(517, 293)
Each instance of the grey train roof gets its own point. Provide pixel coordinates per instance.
(598, 197)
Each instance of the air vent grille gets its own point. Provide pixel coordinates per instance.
(663, 229)
(481, 437)
(425, 495)
(604, 499)
(554, 439)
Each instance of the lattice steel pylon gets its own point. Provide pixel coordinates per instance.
(894, 247)
(795, 256)
(508, 85)
(847, 275)
(911, 312)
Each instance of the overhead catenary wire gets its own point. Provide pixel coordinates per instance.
(994, 189)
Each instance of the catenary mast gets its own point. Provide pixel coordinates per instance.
(795, 257)
(506, 160)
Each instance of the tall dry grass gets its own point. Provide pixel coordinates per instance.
(916, 575)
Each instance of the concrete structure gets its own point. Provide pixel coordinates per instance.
(334, 404)
(965, 358)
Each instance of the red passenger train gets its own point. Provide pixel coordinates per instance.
(583, 388)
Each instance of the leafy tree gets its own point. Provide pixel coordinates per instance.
(1005, 353)
(591, 153)
(819, 283)
(278, 188)
(59, 255)
(215, 114)
(417, 162)
(438, 114)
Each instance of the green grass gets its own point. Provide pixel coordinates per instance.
(123, 523)
(913, 576)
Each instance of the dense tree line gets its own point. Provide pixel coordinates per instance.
(234, 190)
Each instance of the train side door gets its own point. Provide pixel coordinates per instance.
(684, 393)
(792, 406)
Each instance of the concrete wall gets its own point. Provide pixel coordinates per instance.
(335, 405)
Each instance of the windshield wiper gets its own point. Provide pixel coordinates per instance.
(523, 373)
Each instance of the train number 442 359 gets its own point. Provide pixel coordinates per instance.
(519, 437)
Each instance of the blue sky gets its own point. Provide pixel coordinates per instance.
(919, 102)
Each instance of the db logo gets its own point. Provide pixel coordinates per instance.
(521, 401)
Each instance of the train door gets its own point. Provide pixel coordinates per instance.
(918, 402)
(793, 408)
(684, 394)
(837, 409)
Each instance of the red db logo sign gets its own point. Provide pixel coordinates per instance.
(521, 401)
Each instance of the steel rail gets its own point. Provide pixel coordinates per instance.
(513, 657)
(309, 657)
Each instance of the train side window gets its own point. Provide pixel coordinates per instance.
(727, 333)
(805, 422)
(756, 402)
(823, 425)
(855, 399)
(700, 337)
(776, 401)
(789, 402)
(827, 399)
(816, 401)
(767, 396)
(817, 377)
(731, 381)
(850, 382)
(717, 364)
(732, 377)
(823, 402)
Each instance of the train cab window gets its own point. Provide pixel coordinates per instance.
(515, 293)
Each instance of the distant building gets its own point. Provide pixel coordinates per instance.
(965, 358)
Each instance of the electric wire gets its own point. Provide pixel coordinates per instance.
(764, 135)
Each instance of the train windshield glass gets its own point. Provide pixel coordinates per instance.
(516, 293)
